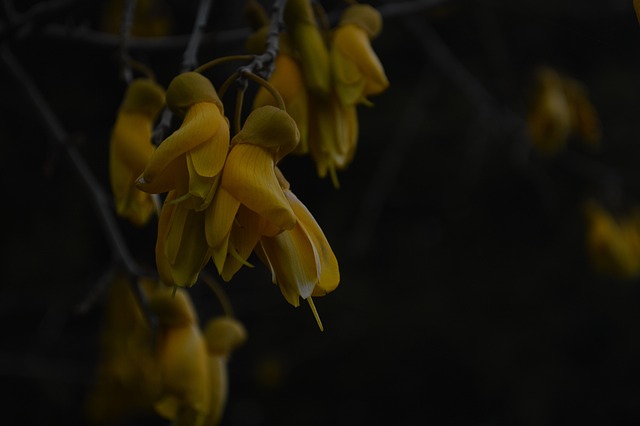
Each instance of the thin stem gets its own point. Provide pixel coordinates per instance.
(219, 292)
(190, 58)
(208, 65)
(227, 83)
(237, 117)
(125, 30)
(264, 83)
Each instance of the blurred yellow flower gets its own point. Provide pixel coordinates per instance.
(613, 245)
(559, 110)
(333, 136)
(310, 46)
(127, 380)
(130, 149)
(190, 160)
(356, 69)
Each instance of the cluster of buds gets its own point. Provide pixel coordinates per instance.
(323, 75)
(560, 109)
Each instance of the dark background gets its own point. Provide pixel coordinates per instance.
(466, 298)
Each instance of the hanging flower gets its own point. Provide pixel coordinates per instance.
(130, 149)
(181, 245)
(190, 160)
(249, 180)
(301, 260)
(182, 358)
(613, 245)
(356, 69)
(127, 381)
(333, 136)
(309, 45)
(222, 335)
(560, 110)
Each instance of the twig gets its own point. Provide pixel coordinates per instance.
(125, 31)
(37, 12)
(100, 199)
(190, 59)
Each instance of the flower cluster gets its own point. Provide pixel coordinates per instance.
(324, 74)
(225, 198)
(179, 371)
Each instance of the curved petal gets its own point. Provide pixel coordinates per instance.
(250, 177)
(328, 270)
(202, 121)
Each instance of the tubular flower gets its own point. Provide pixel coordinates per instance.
(182, 358)
(613, 246)
(309, 45)
(190, 160)
(181, 245)
(356, 69)
(127, 377)
(249, 181)
(333, 136)
(301, 261)
(222, 335)
(130, 149)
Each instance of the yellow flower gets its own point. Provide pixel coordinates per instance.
(301, 260)
(190, 160)
(559, 110)
(613, 245)
(223, 335)
(181, 245)
(130, 149)
(127, 377)
(309, 45)
(182, 358)
(356, 69)
(249, 179)
(333, 136)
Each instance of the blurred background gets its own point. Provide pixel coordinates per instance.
(467, 293)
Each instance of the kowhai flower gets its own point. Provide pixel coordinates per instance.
(181, 244)
(333, 136)
(249, 181)
(310, 46)
(222, 335)
(301, 260)
(130, 149)
(190, 160)
(613, 244)
(356, 70)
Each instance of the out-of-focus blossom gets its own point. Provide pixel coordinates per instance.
(130, 149)
(356, 70)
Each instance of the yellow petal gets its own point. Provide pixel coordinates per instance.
(219, 218)
(249, 176)
(245, 234)
(328, 271)
(201, 123)
(294, 262)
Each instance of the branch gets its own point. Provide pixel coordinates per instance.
(100, 199)
(190, 60)
(38, 12)
(125, 31)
